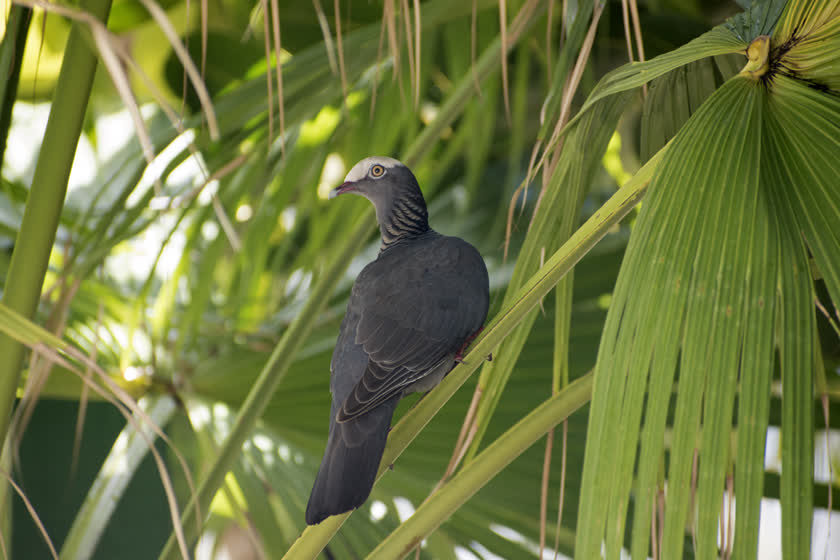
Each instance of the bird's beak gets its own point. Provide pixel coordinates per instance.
(341, 189)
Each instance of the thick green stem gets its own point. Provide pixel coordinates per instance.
(46, 198)
(443, 503)
(11, 56)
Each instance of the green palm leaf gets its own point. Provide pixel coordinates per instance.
(716, 296)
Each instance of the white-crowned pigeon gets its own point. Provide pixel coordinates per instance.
(411, 312)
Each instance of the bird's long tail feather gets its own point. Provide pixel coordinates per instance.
(351, 460)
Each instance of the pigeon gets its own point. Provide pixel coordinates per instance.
(411, 313)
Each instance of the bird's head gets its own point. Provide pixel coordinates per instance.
(387, 183)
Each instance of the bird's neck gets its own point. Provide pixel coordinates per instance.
(406, 218)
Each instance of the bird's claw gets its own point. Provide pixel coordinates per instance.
(459, 355)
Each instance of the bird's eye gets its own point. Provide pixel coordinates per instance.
(377, 171)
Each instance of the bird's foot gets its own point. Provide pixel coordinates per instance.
(459, 355)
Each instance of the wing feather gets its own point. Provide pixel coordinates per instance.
(414, 309)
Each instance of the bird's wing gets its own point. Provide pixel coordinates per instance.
(415, 307)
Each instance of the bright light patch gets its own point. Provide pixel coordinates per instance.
(331, 176)
(117, 462)
(117, 129)
(405, 508)
(604, 301)
(228, 499)
(462, 553)
(206, 545)
(317, 130)
(244, 213)
(485, 554)
(27, 128)
(159, 203)
(199, 416)
(377, 510)
(770, 530)
(507, 533)
(187, 170)
(515, 536)
(133, 373)
(26, 133)
(220, 411)
(287, 218)
(262, 442)
(612, 160)
(428, 112)
(206, 195)
(284, 452)
(209, 230)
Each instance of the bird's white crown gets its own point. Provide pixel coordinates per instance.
(360, 170)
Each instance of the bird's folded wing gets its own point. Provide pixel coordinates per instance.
(376, 387)
(415, 310)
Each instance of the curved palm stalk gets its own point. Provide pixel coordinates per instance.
(11, 57)
(589, 140)
(46, 198)
(487, 464)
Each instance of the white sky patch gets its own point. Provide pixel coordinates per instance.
(462, 553)
(244, 213)
(262, 442)
(117, 128)
(206, 546)
(209, 230)
(287, 217)
(222, 419)
(484, 553)
(29, 122)
(134, 260)
(405, 508)
(133, 373)
(377, 510)
(206, 195)
(826, 455)
(770, 530)
(26, 134)
(515, 536)
(186, 172)
(199, 415)
(773, 450)
(331, 176)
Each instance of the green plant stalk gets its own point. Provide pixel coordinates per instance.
(487, 464)
(11, 56)
(5, 490)
(125, 457)
(315, 537)
(46, 198)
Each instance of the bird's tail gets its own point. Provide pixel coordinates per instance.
(351, 460)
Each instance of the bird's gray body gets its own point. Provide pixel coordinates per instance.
(410, 311)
